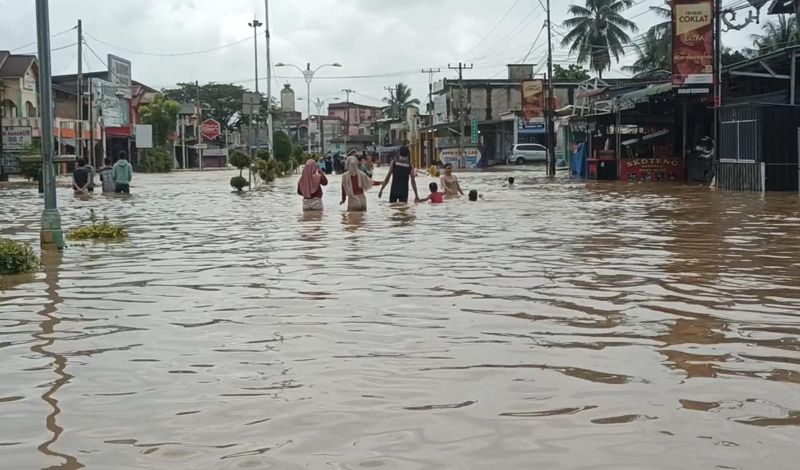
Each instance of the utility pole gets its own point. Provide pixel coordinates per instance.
(551, 154)
(430, 73)
(391, 97)
(79, 114)
(717, 76)
(461, 108)
(197, 128)
(347, 92)
(50, 235)
(255, 24)
(269, 78)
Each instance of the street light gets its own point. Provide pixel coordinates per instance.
(50, 234)
(308, 75)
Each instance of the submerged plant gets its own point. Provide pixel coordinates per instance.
(98, 231)
(16, 257)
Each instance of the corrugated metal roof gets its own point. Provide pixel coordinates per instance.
(16, 65)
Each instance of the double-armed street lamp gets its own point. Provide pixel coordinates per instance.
(308, 75)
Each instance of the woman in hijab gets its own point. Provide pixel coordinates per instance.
(310, 186)
(354, 184)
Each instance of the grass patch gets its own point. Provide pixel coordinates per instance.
(98, 231)
(17, 258)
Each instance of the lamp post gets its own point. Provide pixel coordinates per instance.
(50, 234)
(308, 75)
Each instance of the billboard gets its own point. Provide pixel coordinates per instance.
(106, 98)
(16, 137)
(532, 103)
(119, 73)
(692, 43)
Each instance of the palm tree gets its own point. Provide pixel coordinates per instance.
(654, 56)
(398, 102)
(774, 36)
(598, 32)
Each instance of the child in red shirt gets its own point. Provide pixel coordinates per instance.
(435, 197)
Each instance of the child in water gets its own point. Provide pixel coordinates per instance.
(473, 195)
(511, 181)
(435, 197)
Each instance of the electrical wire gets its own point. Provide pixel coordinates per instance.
(174, 54)
(51, 37)
(494, 28)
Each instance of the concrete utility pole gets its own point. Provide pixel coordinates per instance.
(393, 104)
(347, 92)
(79, 127)
(197, 128)
(50, 235)
(255, 24)
(269, 78)
(461, 108)
(551, 154)
(717, 76)
(430, 73)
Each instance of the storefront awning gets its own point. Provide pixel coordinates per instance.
(632, 98)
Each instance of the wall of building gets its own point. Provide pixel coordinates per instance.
(22, 93)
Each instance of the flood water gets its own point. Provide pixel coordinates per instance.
(557, 325)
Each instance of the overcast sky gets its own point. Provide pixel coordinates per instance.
(378, 42)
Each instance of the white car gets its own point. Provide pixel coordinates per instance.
(528, 153)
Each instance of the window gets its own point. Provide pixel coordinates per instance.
(30, 109)
(739, 140)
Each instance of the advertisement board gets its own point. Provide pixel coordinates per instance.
(119, 73)
(532, 103)
(693, 43)
(451, 155)
(106, 98)
(16, 138)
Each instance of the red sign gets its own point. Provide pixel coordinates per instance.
(692, 42)
(652, 169)
(532, 103)
(210, 129)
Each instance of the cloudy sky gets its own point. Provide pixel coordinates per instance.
(378, 42)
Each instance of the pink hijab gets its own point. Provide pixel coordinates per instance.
(310, 181)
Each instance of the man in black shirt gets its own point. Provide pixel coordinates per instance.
(401, 171)
(81, 177)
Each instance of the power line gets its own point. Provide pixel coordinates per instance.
(51, 37)
(173, 54)
(494, 28)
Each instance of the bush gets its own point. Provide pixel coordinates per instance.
(239, 183)
(157, 160)
(280, 168)
(97, 231)
(263, 155)
(16, 258)
(30, 169)
(240, 160)
(281, 146)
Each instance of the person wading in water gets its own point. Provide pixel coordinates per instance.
(354, 184)
(400, 172)
(310, 186)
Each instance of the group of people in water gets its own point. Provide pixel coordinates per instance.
(357, 180)
(114, 178)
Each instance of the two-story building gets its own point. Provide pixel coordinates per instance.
(19, 114)
(359, 119)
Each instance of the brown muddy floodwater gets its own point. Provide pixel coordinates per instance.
(557, 325)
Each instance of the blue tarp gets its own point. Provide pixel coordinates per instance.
(578, 161)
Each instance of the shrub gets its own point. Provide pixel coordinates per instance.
(239, 183)
(281, 146)
(16, 258)
(280, 168)
(97, 231)
(30, 169)
(157, 160)
(263, 155)
(240, 160)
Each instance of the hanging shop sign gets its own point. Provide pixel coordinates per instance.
(692, 43)
(119, 73)
(661, 166)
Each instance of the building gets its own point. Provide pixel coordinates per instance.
(287, 118)
(359, 119)
(19, 114)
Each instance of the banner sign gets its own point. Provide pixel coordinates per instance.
(106, 98)
(692, 43)
(532, 103)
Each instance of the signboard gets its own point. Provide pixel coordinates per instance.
(532, 102)
(661, 165)
(144, 136)
(474, 131)
(210, 129)
(106, 99)
(451, 155)
(119, 73)
(440, 114)
(16, 137)
(251, 104)
(29, 81)
(692, 42)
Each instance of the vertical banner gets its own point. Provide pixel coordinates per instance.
(692, 43)
(532, 104)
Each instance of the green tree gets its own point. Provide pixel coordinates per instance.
(398, 102)
(161, 113)
(220, 101)
(775, 35)
(730, 57)
(597, 32)
(653, 57)
(282, 146)
(574, 73)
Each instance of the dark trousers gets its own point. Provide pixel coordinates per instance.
(122, 188)
(398, 197)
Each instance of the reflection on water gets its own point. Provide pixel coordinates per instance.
(555, 325)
